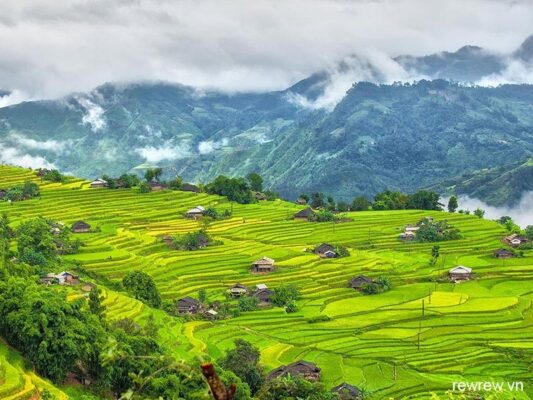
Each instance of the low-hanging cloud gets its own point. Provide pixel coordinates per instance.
(208, 146)
(94, 114)
(165, 152)
(15, 156)
(233, 45)
(521, 213)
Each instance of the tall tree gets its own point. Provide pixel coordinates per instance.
(243, 361)
(255, 181)
(452, 204)
(142, 287)
(95, 303)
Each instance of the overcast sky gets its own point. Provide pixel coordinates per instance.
(50, 48)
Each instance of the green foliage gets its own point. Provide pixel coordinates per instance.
(452, 204)
(35, 242)
(243, 361)
(294, 388)
(285, 295)
(175, 183)
(129, 180)
(144, 187)
(54, 176)
(202, 296)
(342, 251)
(153, 174)
(392, 200)
(435, 253)
(291, 307)
(380, 285)
(528, 232)
(436, 231)
(255, 181)
(323, 216)
(247, 303)
(478, 212)
(142, 287)
(235, 189)
(51, 332)
(317, 200)
(360, 203)
(95, 303)
(26, 191)
(192, 240)
(216, 215)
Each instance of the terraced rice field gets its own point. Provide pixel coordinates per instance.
(480, 330)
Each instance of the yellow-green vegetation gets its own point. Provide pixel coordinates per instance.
(480, 330)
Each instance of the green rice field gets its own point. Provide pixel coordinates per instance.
(480, 330)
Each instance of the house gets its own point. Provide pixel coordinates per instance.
(306, 213)
(407, 235)
(410, 228)
(260, 196)
(3, 193)
(157, 186)
(187, 187)
(88, 286)
(503, 253)
(460, 273)
(238, 290)
(195, 212)
(304, 369)
(48, 279)
(515, 240)
(358, 282)
(210, 314)
(261, 286)
(345, 391)
(80, 227)
(98, 183)
(325, 250)
(66, 278)
(188, 305)
(301, 201)
(263, 265)
(264, 296)
(168, 240)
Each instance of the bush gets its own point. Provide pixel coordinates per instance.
(436, 231)
(192, 241)
(248, 303)
(285, 295)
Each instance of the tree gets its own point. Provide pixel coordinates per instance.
(248, 303)
(255, 181)
(243, 361)
(435, 254)
(317, 200)
(202, 296)
(285, 294)
(342, 206)
(305, 197)
(291, 307)
(129, 180)
(529, 232)
(152, 174)
(54, 176)
(479, 213)
(35, 242)
(95, 303)
(145, 188)
(452, 204)
(423, 200)
(235, 189)
(360, 203)
(142, 287)
(176, 183)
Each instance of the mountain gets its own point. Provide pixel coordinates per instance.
(500, 185)
(402, 136)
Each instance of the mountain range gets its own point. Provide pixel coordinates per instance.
(376, 136)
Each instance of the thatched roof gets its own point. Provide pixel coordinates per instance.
(305, 213)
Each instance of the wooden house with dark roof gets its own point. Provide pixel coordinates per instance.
(80, 227)
(460, 273)
(188, 187)
(503, 253)
(306, 213)
(325, 250)
(238, 290)
(304, 369)
(263, 295)
(157, 186)
(188, 305)
(358, 282)
(345, 391)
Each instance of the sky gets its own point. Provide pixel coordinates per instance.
(52, 48)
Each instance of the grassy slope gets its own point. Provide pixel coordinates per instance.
(480, 330)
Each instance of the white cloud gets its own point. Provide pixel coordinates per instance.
(522, 213)
(11, 155)
(516, 71)
(14, 97)
(94, 114)
(167, 151)
(232, 44)
(50, 145)
(208, 146)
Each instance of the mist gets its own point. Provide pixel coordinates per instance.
(521, 213)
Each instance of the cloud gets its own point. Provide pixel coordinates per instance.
(11, 155)
(14, 97)
(208, 146)
(522, 213)
(50, 145)
(164, 152)
(94, 114)
(516, 71)
(232, 45)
